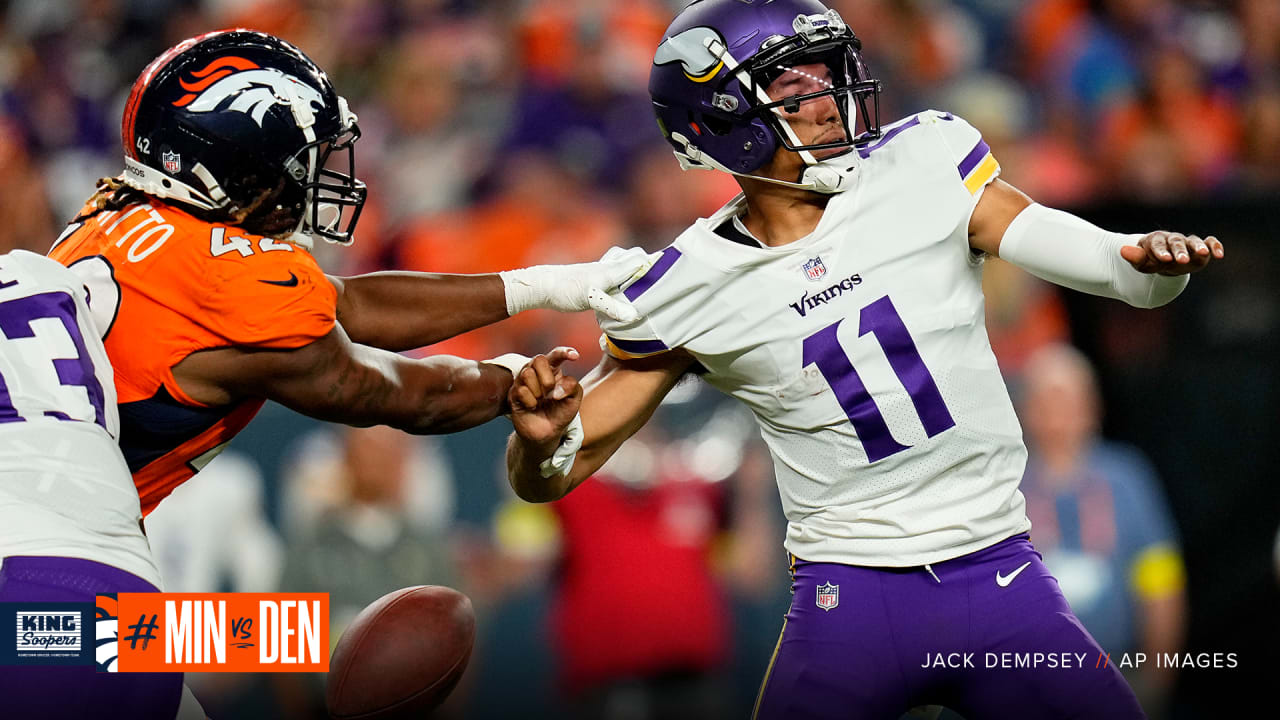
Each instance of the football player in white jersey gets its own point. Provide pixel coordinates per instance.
(70, 520)
(840, 298)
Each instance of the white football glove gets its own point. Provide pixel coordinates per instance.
(574, 288)
(561, 461)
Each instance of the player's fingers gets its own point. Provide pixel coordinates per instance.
(546, 374)
(1135, 255)
(1219, 252)
(529, 380)
(1178, 247)
(1199, 250)
(1158, 243)
(566, 386)
(603, 303)
(560, 355)
(522, 396)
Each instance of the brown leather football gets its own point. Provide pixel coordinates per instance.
(401, 656)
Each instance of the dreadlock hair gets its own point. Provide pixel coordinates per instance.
(257, 216)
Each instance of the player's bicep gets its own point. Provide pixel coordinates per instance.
(999, 205)
(620, 397)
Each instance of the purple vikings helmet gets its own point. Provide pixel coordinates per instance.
(710, 73)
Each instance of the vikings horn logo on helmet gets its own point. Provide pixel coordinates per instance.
(256, 90)
(689, 48)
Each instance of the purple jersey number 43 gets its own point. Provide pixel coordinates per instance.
(16, 318)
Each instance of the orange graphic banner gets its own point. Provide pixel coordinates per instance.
(222, 632)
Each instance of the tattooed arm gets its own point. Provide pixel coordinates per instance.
(337, 380)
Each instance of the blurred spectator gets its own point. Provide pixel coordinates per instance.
(434, 149)
(1261, 165)
(1101, 522)
(1024, 314)
(365, 543)
(541, 214)
(584, 98)
(649, 553)
(662, 200)
(1175, 138)
(26, 221)
(359, 535)
(211, 534)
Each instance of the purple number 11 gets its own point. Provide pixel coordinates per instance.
(881, 319)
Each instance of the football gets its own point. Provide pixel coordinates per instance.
(401, 656)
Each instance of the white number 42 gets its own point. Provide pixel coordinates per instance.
(220, 244)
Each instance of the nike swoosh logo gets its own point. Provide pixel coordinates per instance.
(1004, 580)
(291, 282)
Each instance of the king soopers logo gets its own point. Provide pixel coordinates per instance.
(48, 632)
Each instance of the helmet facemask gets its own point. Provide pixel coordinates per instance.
(325, 171)
(845, 83)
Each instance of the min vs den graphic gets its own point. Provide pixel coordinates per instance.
(172, 632)
(222, 632)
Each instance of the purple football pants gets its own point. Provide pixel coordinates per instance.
(889, 637)
(60, 692)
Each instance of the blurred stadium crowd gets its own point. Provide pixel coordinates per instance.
(504, 133)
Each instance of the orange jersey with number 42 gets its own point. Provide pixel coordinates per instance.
(168, 285)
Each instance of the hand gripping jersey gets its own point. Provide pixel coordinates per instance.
(179, 285)
(862, 351)
(64, 488)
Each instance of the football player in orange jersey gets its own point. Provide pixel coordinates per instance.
(239, 153)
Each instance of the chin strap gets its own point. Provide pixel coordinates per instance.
(828, 177)
(154, 183)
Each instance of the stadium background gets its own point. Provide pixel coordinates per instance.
(507, 133)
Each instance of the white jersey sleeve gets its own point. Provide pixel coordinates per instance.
(975, 162)
(637, 338)
(64, 486)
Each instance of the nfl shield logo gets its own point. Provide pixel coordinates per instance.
(814, 269)
(172, 161)
(828, 596)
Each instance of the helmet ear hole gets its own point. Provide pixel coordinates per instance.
(716, 126)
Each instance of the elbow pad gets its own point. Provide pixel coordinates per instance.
(1065, 250)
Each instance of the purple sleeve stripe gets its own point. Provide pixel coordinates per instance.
(660, 268)
(866, 151)
(639, 347)
(975, 156)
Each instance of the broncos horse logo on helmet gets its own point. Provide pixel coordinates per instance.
(243, 128)
(252, 90)
(710, 73)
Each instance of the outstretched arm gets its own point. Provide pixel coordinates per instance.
(336, 380)
(405, 310)
(619, 398)
(1142, 270)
